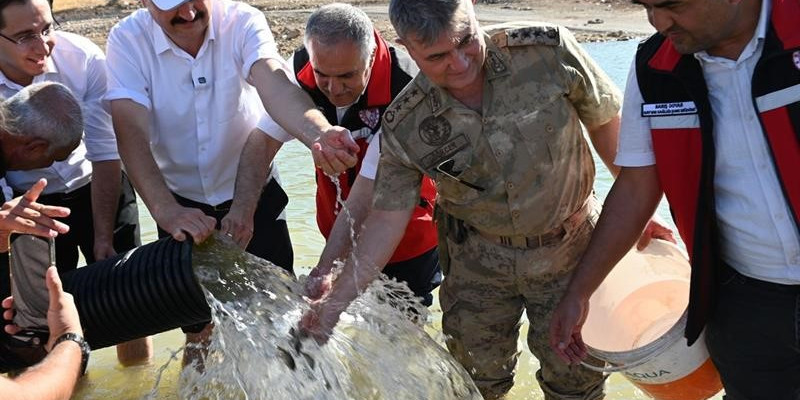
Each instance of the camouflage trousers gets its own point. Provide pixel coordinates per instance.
(483, 296)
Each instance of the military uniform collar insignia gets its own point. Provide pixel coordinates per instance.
(496, 63)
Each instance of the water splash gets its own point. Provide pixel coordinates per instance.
(376, 351)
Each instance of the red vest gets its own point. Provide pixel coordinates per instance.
(391, 71)
(676, 102)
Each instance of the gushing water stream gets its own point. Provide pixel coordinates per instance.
(375, 352)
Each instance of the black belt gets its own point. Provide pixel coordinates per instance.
(224, 206)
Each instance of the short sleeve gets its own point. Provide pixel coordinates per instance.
(369, 165)
(101, 143)
(592, 92)
(126, 79)
(258, 43)
(635, 143)
(397, 183)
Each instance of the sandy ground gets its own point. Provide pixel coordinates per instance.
(591, 20)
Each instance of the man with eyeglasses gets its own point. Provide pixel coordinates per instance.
(495, 116)
(188, 82)
(90, 181)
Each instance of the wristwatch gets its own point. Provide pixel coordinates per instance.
(83, 345)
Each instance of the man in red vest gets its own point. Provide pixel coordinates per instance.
(712, 119)
(352, 74)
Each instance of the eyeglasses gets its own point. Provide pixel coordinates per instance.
(29, 39)
(446, 167)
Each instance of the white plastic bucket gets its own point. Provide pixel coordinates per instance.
(636, 322)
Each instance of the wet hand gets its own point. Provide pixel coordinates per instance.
(565, 330)
(335, 151)
(318, 283)
(318, 322)
(180, 221)
(656, 229)
(238, 226)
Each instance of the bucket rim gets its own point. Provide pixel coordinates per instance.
(632, 358)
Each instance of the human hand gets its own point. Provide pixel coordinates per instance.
(62, 315)
(103, 249)
(319, 283)
(179, 220)
(335, 151)
(656, 229)
(565, 329)
(318, 322)
(24, 215)
(238, 225)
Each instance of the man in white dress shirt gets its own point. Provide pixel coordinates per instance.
(185, 79)
(712, 119)
(90, 182)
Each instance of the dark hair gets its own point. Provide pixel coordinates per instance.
(6, 3)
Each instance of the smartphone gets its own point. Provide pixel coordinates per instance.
(29, 258)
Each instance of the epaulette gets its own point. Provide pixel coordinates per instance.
(524, 34)
(403, 104)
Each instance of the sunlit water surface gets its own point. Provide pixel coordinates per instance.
(253, 363)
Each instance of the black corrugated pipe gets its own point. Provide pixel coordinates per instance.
(148, 290)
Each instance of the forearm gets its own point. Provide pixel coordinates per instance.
(382, 232)
(254, 164)
(287, 103)
(630, 204)
(348, 223)
(131, 123)
(106, 178)
(52, 379)
(604, 139)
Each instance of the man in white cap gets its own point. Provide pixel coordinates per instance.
(184, 90)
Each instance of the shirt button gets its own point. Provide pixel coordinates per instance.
(510, 185)
(498, 153)
(515, 214)
(549, 128)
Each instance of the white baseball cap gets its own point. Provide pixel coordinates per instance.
(166, 5)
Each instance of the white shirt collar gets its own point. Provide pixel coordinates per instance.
(753, 46)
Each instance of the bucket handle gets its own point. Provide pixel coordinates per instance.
(620, 368)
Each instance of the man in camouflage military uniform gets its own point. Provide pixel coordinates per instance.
(495, 119)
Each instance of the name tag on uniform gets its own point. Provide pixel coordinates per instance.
(665, 109)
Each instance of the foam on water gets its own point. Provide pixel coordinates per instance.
(375, 352)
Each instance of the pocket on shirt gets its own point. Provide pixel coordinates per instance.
(540, 131)
(457, 192)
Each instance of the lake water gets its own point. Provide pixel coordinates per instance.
(107, 380)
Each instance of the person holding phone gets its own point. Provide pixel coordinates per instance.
(55, 377)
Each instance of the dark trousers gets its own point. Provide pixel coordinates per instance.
(81, 223)
(422, 274)
(754, 338)
(270, 236)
